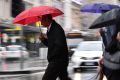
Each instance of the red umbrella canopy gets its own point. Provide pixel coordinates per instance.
(31, 15)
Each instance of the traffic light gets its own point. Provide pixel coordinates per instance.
(17, 7)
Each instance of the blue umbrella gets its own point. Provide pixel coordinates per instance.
(98, 7)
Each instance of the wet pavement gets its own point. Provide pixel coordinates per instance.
(9, 65)
(35, 64)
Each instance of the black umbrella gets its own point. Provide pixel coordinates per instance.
(106, 19)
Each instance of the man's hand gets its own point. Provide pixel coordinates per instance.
(42, 37)
(100, 62)
(118, 36)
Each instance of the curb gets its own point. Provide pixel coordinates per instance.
(20, 72)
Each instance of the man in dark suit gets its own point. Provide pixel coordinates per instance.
(57, 50)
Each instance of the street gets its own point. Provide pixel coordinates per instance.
(16, 65)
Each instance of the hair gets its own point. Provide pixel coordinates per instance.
(47, 17)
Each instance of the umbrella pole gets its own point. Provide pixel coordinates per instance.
(22, 57)
(41, 34)
(40, 29)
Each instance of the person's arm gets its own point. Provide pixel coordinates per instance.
(118, 36)
(100, 62)
(45, 42)
(100, 70)
(100, 65)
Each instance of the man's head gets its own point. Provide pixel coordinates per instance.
(46, 20)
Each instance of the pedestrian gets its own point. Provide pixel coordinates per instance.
(57, 49)
(110, 62)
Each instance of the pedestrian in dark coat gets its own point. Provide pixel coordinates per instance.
(57, 50)
(111, 39)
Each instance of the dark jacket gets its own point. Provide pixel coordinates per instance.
(56, 42)
(109, 38)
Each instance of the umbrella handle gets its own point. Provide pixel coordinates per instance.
(41, 31)
(39, 27)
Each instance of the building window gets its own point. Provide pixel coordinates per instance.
(28, 5)
(42, 1)
(17, 7)
(6, 0)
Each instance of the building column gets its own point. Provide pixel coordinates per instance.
(67, 15)
(115, 1)
(5, 9)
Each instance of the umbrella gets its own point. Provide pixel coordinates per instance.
(97, 7)
(31, 15)
(106, 19)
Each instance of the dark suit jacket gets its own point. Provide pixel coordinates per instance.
(56, 42)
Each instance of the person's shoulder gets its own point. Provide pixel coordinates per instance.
(57, 25)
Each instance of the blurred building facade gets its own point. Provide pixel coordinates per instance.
(64, 5)
(72, 18)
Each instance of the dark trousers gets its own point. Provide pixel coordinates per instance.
(56, 69)
(111, 74)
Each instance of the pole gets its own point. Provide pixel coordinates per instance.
(67, 13)
(22, 57)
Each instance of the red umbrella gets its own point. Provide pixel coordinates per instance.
(31, 15)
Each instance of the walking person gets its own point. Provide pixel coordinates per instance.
(110, 63)
(57, 49)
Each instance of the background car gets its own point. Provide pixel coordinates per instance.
(87, 55)
(2, 52)
(16, 51)
(72, 43)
